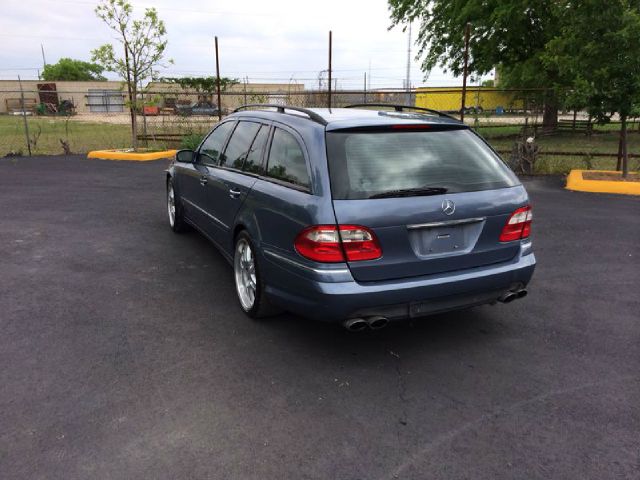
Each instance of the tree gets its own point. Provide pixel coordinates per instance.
(598, 52)
(509, 34)
(70, 69)
(143, 44)
(203, 85)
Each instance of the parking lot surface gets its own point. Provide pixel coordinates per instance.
(123, 353)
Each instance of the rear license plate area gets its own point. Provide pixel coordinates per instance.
(444, 239)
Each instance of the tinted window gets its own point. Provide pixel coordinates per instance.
(253, 163)
(239, 144)
(371, 163)
(286, 160)
(212, 146)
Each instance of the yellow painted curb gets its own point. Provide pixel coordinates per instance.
(577, 183)
(129, 155)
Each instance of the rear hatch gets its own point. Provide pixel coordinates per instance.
(436, 197)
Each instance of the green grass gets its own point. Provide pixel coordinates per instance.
(84, 136)
(47, 132)
(603, 140)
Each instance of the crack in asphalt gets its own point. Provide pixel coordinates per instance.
(401, 392)
(449, 435)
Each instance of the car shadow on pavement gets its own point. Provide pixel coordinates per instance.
(452, 330)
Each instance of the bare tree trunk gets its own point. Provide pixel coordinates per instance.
(550, 113)
(131, 88)
(134, 117)
(132, 114)
(625, 157)
(619, 162)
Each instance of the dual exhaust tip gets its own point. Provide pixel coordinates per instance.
(513, 295)
(377, 322)
(359, 324)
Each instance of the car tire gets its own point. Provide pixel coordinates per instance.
(174, 209)
(248, 279)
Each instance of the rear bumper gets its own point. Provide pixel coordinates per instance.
(402, 298)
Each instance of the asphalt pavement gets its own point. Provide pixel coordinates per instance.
(123, 353)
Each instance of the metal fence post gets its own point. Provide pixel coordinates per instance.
(24, 116)
(329, 99)
(218, 82)
(467, 32)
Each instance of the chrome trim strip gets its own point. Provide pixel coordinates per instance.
(215, 219)
(446, 223)
(334, 271)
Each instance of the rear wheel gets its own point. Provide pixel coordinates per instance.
(248, 279)
(174, 210)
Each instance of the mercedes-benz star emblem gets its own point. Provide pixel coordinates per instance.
(448, 207)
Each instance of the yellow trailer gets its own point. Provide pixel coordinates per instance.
(449, 99)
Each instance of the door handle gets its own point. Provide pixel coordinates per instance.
(203, 180)
(233, 193)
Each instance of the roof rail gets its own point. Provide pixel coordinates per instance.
(402, 108)
(281, 109)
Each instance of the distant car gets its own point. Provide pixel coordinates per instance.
(197, 108)
(356, 215)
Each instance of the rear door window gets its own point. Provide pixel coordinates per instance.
(253, 162)
(286, 160)
(382, 163)
(239, 144)
(211, 148)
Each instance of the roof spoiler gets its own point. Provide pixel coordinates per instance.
(402, 108)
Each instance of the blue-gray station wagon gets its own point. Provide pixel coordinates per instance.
(359, 215)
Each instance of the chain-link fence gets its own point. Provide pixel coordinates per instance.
(96, 115)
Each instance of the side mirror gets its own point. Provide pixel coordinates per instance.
(185, 156)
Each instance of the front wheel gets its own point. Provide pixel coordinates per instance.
(174, 209)
(248, 279)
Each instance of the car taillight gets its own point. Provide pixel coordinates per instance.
(331, 243)
(518, 226)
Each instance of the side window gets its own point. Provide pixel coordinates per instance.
(286, 160)
(238, 146)
(253, 163)
(212, 146)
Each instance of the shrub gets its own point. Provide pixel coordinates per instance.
(191, 141)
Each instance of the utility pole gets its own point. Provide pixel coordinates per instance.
(467, 33)
(408, 77)
(44, 60)
(218, 82)
(364, 100)
(330, 47)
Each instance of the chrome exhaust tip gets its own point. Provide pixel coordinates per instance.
(508, 297)
(377, 322)
(355, 324)
(514, 295)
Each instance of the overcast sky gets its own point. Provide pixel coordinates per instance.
(268, 41)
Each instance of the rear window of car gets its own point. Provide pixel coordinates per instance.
(286, 160)
(376, 163)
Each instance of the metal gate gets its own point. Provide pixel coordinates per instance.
(100, 101)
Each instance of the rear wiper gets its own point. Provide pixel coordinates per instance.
(411, 192)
